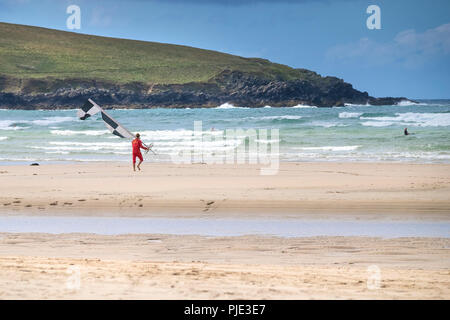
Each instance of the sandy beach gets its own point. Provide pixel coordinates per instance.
(42, 266)
(163, 266)
(408, 190)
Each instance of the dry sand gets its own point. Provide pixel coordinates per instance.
(40, 266)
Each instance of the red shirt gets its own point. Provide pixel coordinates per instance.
(137, 145)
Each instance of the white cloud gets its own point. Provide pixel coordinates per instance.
(409, 48)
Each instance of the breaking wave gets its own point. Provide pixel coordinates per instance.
(408, 103)
(356, 105)
(303, 106)
(410, 119)
(229, 106)
(76, 132)
(22, 124)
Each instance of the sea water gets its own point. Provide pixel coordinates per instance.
(306, 133)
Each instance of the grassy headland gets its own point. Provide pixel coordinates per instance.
(33, 52)
(45, 68)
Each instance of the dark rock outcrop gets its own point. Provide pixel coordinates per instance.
(238, 88)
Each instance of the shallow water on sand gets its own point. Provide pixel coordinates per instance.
(223, 227)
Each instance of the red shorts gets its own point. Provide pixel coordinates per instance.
(139, 155)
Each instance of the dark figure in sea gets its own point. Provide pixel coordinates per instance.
(406, 131)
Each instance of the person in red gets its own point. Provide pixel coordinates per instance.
(137, 146)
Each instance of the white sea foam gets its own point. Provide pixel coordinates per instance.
(356, 105)
(52, 120)
(410, 119)
(381, 123)
(75, 145)
(230, 142)
(75, 151)
(331, 148)
(3, 138)
(72, 148)
(22, 159)
(303, 106)
(122, 146)
(404, 103)
(57, 152)
(328, 124)
(175, 134)
(345, 115)
(13, 124)
(84, 132)
(166, 134)
(287, 117)
(401, 156)
(229, 106)
(196, 148)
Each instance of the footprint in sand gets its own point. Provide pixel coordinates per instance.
(67, 203)
(208, 206)
(7, 204)
(17, 201)
(54, 203)
(81, 200)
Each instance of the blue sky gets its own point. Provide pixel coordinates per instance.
(409, 56)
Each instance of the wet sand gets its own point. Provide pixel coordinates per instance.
(420, 191)
(158, 266)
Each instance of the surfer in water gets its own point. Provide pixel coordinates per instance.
(137, 146)
(406, 132)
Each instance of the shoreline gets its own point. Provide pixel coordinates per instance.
(412, 101)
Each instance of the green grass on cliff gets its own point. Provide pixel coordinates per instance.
(33, 52)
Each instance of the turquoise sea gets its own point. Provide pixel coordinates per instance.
(352, 133)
